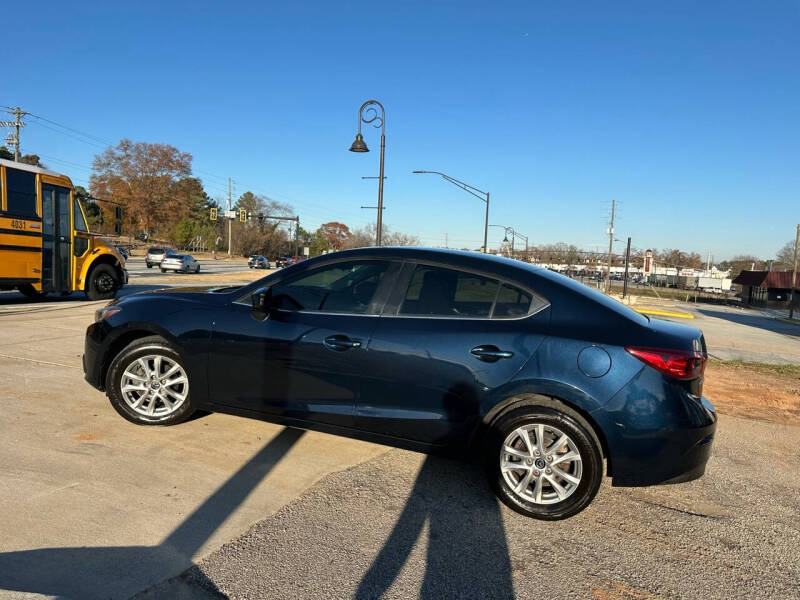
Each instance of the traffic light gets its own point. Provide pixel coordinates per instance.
(243, 215)
(117, 220)
(213, 215)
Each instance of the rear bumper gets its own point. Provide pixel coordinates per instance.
(657, 433)
(680, 458)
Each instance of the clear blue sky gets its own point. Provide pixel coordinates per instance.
(685, 112)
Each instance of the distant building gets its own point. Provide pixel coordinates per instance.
(768, 289)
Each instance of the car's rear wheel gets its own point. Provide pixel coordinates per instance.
(544, 462)
(147, 383)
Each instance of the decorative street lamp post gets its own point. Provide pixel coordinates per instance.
(359, 145)
(514, 234)
(475, 192)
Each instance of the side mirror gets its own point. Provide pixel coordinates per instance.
(262, 302)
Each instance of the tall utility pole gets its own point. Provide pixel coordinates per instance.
(627, 263)
(794, 273)
(230, 222)
(610, 246)
(13, 138)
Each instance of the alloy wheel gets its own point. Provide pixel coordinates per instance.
(541, 464)
(154, 385)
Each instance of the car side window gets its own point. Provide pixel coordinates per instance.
(445, 292)
(346, 287)
(511, 302)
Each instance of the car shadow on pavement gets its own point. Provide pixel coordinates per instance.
(113, 572)
(758, 321)
(467, 552)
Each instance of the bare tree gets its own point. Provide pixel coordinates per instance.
(785, 256)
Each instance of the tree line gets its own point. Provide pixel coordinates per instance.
(162, 200)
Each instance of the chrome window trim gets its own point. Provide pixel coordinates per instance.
(457, 318)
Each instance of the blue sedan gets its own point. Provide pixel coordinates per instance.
(539, 377)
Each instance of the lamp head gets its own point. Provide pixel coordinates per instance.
(359, 145)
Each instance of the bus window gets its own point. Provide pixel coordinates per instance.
(80, 222)
(20, 193)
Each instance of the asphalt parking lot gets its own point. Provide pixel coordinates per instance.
(94, 507)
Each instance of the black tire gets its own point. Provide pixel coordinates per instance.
(29, 291)
(103, 283)
(149, 266)
(197, 270)
(152, 345)
(580, 433)
(163, 270)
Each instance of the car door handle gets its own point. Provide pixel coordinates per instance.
(340, 343)
(490, 353)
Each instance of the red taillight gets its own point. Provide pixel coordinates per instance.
(681, 364)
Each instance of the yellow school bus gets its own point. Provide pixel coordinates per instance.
(45, 244)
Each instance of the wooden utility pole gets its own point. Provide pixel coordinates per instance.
(13, 138)
(610, 246)
(230, 222)
(794, 273)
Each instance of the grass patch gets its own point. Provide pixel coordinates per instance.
(787, 370)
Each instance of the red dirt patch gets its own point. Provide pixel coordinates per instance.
(754, 392)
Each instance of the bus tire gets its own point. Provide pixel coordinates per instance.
(103, 283)
(29, 291)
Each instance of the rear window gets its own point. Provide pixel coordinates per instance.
(156, 251)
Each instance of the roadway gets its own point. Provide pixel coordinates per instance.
(136, 267)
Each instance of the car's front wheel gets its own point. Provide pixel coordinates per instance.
(545, 462)
(103, 283)
(147, 383)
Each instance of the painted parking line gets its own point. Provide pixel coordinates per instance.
(664, 313)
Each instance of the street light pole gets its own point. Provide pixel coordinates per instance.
(627, 263)
(475, 192)
(514, 234)
(359, 145)
(794, 274)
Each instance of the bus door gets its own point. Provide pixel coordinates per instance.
(56, 239)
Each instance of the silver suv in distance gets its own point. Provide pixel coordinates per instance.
(156, 255)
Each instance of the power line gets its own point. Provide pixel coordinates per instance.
(78, 131)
